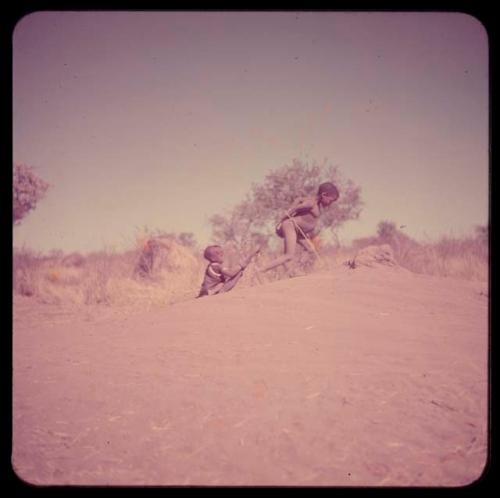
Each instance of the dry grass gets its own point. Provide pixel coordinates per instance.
(107, 278)
(465, 257)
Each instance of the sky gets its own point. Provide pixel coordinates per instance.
(163, 119)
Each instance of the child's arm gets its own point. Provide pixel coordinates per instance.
(217, 270)
(232, 272)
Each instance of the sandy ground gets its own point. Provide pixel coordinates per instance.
(361, 377)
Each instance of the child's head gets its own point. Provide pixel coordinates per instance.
(214, 254)
(327, 193)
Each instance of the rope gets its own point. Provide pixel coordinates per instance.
(311, 245)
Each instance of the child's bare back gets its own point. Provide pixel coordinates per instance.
(305, 213)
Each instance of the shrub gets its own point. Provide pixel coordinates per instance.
(257, 215)
(465, 257)
(28, 189)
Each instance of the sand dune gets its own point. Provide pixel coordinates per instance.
(373, 376)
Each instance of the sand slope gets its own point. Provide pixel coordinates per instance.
(348, 377)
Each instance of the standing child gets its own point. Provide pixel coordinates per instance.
(218, 277)
(301, 219)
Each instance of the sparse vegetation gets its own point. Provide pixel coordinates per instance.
(465, 257)
(168, 267)
(105, 278)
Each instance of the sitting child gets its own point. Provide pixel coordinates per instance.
(218, 277)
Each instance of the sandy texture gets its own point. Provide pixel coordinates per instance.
(373, 376)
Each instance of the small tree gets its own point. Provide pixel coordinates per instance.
(481, 241)
(386, 230)
(481, 233)
(402, 244)
(28, 189)
(257, 215)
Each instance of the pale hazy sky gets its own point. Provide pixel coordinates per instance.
(166, 118)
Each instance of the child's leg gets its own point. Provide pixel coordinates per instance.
(290, 236)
